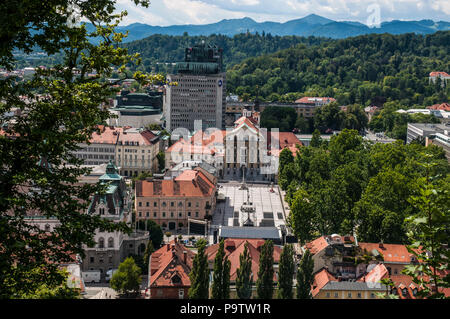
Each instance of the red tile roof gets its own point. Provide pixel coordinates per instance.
(250, 122)
(321, 278)
(200, 143)
(235, 247)
(192, 183)
(434, 74)
(392, 253)
(378, 273)
(107, 135)
(317, 245)
(112, 135)
(441, 107)
(169, 262)
(204, 142)
(404, 282)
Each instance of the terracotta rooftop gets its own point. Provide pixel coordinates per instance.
(107, 135)
(192, 183)
(392, 253)
(441, 107)
(170, 265)
(434, 74)
(377, 273)
(209, 142)
(321, 278)
(113, 135)
(317, 245)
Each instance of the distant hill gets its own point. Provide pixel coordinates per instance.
(310, 25)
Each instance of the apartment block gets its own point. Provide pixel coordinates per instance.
(200, 93)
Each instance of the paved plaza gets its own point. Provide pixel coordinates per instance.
(265, 199)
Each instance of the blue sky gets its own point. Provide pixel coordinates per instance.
(169, 12)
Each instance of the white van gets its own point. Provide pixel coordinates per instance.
(110, 273)
(91, 276)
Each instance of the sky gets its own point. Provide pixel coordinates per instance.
(171, 12)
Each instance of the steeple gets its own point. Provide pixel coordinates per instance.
(111, 173)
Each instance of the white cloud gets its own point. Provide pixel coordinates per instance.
(169, 12)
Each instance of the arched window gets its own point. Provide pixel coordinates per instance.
(110, 242)
(101, 242)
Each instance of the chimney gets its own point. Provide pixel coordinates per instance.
(168, 247)
(185, 257)
(381, 244)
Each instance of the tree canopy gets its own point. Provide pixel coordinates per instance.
(59, 109)
(353, 186)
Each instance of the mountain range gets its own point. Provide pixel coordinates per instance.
(311, 25)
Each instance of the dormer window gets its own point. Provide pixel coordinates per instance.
(176, 279)
(414, 292)
(47, 227)
(404, 292)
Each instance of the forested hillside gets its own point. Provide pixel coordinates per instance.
(369, 69)
(169, 49)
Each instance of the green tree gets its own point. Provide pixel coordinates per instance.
(161, 156)
(149, 250)
(302, 124)
(44, 290)
(226, 279)
(244, 280)
(286, 157)
(429, 233)
(199, 275)
(301, 216)
(37, 150)
(316, 140)
(127, 279)
(221, 277)
(286, 271)
(156, 233)
(381, 212)
(305, 276)
(264, 284)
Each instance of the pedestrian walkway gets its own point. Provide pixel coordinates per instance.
(105, 293)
